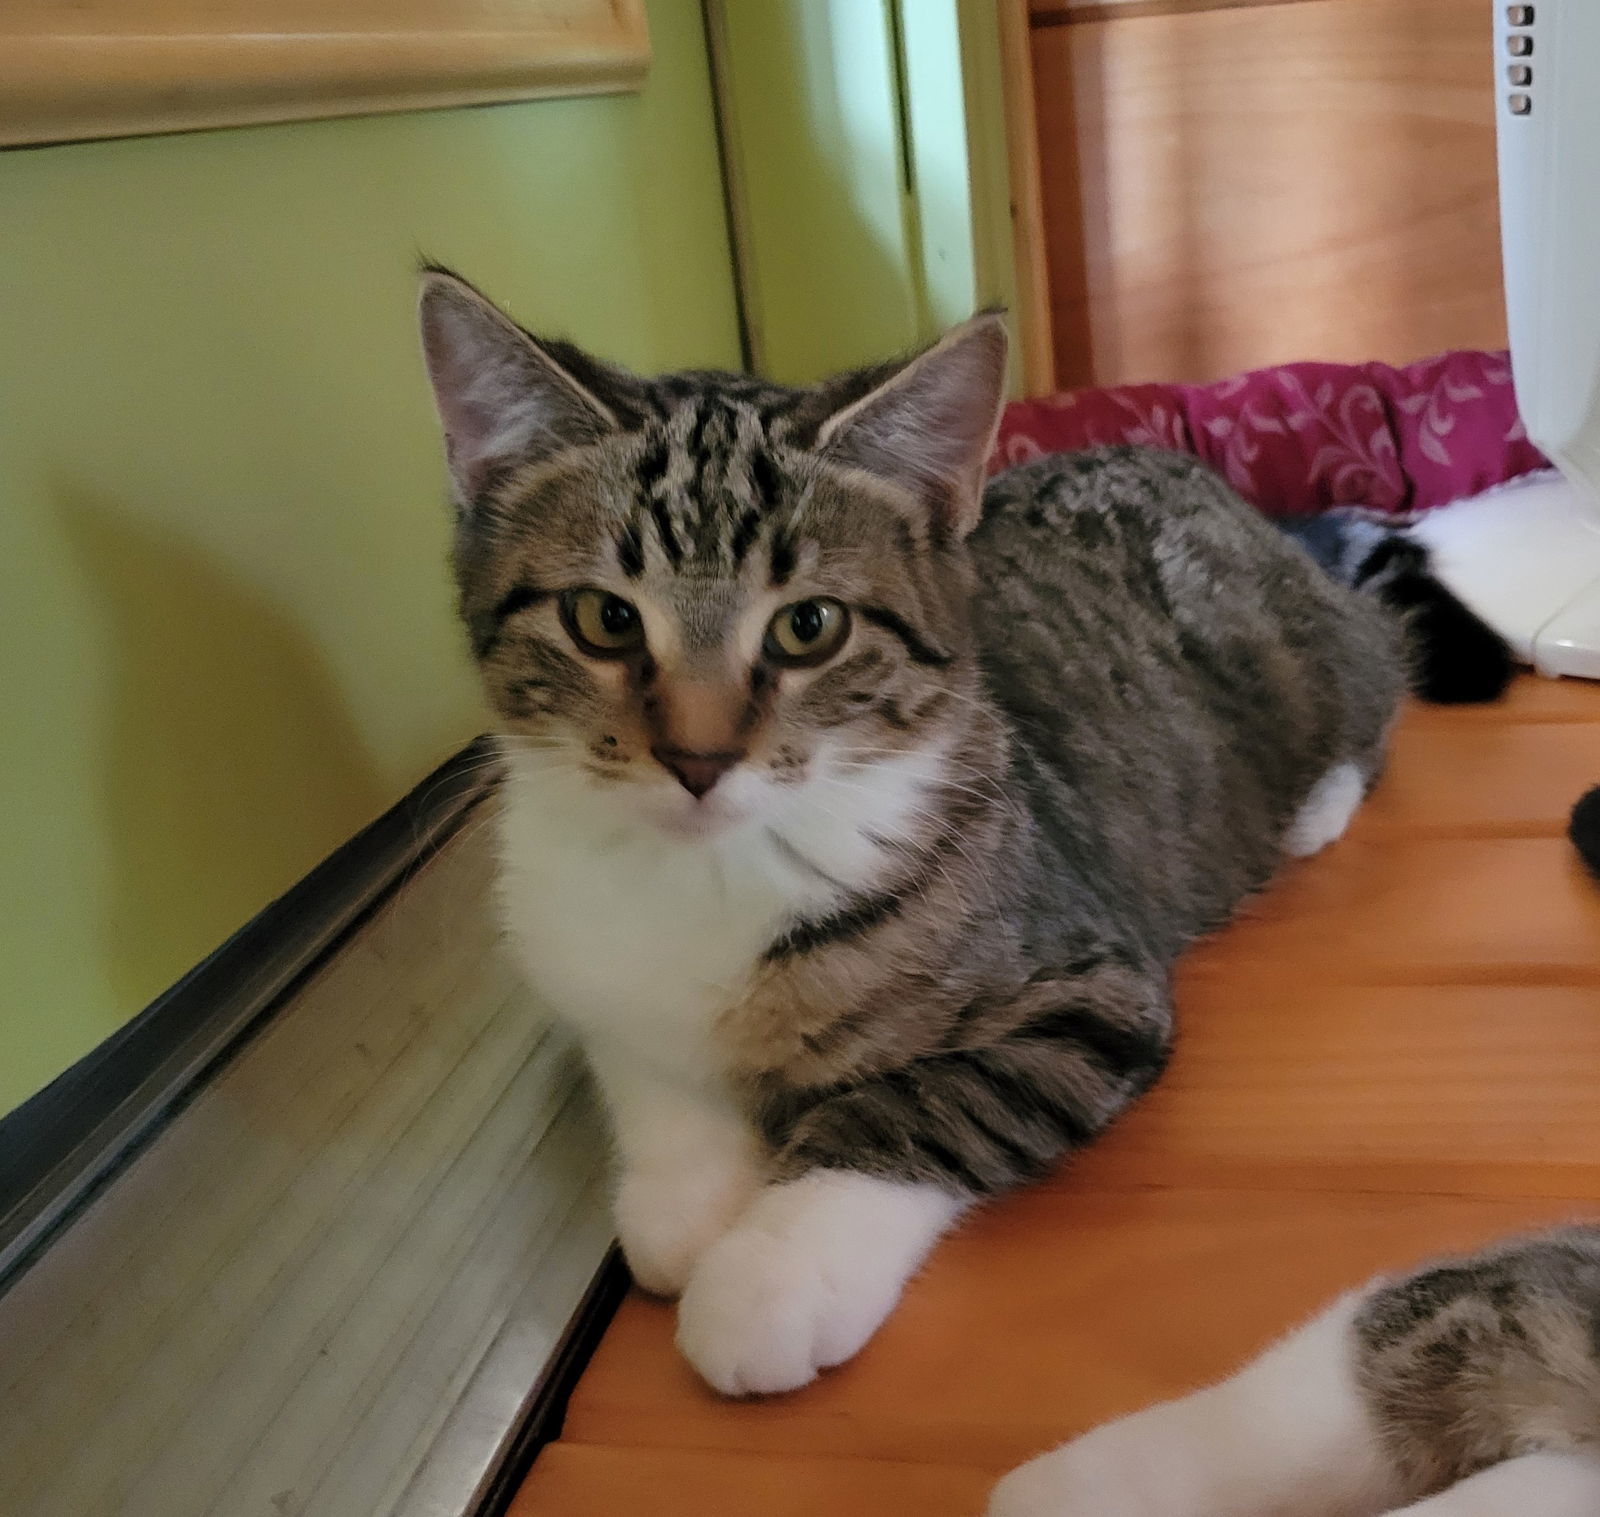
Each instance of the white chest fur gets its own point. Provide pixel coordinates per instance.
(631, 936)
(645, 940)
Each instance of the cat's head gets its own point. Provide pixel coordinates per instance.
(701, 593)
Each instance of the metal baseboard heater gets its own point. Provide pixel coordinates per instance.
(322, 1233)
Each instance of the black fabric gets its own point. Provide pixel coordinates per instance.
(1585, 830)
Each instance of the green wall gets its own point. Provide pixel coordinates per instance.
(225, 629)
(824, 191)
(868, 160)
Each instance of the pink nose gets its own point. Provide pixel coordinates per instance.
(696, 772)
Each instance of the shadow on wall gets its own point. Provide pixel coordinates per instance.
(219, 705)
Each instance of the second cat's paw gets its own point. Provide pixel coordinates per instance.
(1031, 1491)
(1051, 1486)
(1100, 1475)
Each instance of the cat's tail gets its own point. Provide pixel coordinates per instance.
(1584, 829)
(1460, 658)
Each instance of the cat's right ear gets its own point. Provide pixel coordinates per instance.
(503, 397)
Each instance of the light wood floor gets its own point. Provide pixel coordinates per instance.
(1396, 1052)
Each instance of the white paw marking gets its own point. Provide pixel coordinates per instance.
(668, 1217)
(1045, 1488)
(1290, 1433)
(1326, 812)
(1124, 1469)
(805, 1278)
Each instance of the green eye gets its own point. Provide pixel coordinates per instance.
(601, 624)
(807, 632)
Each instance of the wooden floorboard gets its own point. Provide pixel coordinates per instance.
(1392, 1054)
(579, 1481)
(1278, 1082)
(1511, 779)
(1051, 1312)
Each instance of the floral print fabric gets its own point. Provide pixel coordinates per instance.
(1305, 436)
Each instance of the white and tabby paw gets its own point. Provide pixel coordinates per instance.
(1051, 1486)
(805, 1279)
(668, 1217)
(1161, 1462)
(1034, 1490)
(1076, 1481)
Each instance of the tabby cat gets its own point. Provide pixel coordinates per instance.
(853, 814)
(1467, 1389)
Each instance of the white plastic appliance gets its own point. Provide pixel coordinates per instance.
(1527, 557)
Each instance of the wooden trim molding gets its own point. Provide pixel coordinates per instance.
(1027, 202)
(1070, 12)
(1247, 186)
(112, 68)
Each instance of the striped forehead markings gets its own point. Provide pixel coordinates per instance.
(706, 479)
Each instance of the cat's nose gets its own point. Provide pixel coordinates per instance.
(696, 772)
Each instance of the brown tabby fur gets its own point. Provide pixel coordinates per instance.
(1125, 680)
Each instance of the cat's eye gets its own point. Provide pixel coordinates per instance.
(807, 632)
(601, 624)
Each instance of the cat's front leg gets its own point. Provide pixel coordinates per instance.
(688, 1163)
(871, 1173)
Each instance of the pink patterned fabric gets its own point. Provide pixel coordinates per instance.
(1306, 436)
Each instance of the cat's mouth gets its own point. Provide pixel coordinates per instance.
(698, 824)
(693, 819)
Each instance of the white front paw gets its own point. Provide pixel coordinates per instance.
(805, 1278)
(667, 1219)
(761, 1315)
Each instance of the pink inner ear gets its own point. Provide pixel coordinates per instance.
(932, 423)
(502, 400)
(473, 364)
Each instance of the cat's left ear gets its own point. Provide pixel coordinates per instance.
(931, 422)
(505, 397)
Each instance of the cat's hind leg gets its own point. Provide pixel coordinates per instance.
(1326, 811)
(1548, 1484)
(1289, 1433)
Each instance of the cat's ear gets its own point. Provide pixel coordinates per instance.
(931, 421)
(505, 397)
